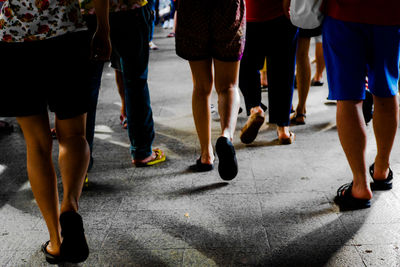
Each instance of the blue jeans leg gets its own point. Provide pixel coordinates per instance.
(130, 40)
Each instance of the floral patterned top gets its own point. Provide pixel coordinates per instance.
(31, 20)
(115, 5)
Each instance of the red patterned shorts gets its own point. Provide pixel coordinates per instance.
(210, 29)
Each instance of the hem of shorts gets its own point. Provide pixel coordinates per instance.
(70, 115)
(198, 58)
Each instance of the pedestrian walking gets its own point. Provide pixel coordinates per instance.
(46, 52)
(212, 33)
(357, 44)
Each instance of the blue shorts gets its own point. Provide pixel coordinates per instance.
(354, 51)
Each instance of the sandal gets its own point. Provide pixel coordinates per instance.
(385, 184)
(250, 130)
(50, 258)
(295, 119)
(74, 247)
(228, 166)
(124, 121)
(316, 83)
(201, 167)
(287, 141)
(345, 200)
(160, 157)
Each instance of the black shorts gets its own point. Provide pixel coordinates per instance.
(53, 73)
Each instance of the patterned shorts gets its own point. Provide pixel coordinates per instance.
(210, 29)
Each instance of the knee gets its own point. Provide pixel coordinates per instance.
(225, 88)
(202, 89)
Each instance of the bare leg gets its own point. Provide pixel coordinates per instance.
(352, 134)
(41, 173)
(121, 90)
(202, 86)
(385, 121)
(303, 75)
(226, 76)
(320, 62)
(73, 159)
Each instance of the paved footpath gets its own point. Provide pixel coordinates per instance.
(279, 211)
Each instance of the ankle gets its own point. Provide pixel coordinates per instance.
(381, 169)
(361, 190)
(256, 110)
(69, 205)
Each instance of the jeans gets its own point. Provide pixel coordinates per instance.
(130, 41)
(277, 40)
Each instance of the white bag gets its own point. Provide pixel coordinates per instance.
(306, 14)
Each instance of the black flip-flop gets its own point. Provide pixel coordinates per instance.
(386, 184)
(50, 258)
(227, 167)
(201, 167)
(74, 247)
(345, 200)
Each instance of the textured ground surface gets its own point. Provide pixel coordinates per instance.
(277, 212)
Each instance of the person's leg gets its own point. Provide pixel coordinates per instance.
(42, 175)
(95, 81)
(73, 159)
(303, 76)
(121, 91)
(320, 63)
(281, 60)
(249, 74)
(226, 76)
(130, 41)
(202, 86)
(385, 122)
(353, 138)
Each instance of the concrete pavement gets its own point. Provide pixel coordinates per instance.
(279, 210)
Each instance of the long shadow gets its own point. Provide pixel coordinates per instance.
(315, 248)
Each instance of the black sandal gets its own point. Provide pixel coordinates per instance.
(345, 200)
(386, 184)
(228, 166)
(201, 167)
(50, 258)
(74, 247)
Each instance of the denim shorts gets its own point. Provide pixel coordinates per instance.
(354, 51)
(210, 29)
(52, 74)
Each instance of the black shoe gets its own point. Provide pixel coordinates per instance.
(227, 167)
(73, 247)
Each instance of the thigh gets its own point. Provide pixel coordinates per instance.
(202, 75)
(254, 51)
(345, 50)
(192, 36)
(129, 38)
(281, 54)
(383, 66)
(228, 29)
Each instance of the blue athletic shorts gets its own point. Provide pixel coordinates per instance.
(354, 51)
